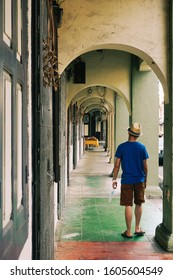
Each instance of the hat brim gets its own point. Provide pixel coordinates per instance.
(137, 134)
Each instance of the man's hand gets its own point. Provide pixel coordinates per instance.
(114, 184)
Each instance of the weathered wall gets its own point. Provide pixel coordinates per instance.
(110, 69)
(145, 104)
(122, 25)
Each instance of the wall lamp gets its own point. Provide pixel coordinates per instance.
(90, 90)
(58, 13)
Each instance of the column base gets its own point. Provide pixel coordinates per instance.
(164, 238)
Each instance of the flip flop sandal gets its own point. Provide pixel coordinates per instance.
(139, 233)
(124, 234)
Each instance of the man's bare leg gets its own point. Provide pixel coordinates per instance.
(138, 214)
(128, 219)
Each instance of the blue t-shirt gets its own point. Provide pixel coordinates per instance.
(132, 155)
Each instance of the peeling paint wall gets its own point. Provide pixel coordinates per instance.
(122, 25)
(110, 69)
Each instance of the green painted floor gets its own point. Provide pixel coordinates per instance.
(91, 216)
(92, 223)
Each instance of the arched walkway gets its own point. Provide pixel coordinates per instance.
(133, 39)
(93, 221)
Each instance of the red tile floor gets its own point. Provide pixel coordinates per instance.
(76, 250)
(92, 221)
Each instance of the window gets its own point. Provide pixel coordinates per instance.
(7, 24)
(19, 144)
(7, 149)
(13, 128)
(19, 30)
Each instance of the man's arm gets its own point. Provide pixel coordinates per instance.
(115, 172)
(145, 171)
(116, 168)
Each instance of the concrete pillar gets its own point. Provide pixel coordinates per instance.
(112, 139)
(121, 122)
(74, 137)
(164, 231)
(110, 133)
(145, 110)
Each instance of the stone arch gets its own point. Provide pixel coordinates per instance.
(82, 22)
(117, 91)
(151, 64)
(112, 82)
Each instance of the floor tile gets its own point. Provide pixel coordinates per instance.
(93, 220)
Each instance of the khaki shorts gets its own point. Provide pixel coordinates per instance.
(130, 192)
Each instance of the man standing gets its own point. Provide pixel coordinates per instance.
(132, 156)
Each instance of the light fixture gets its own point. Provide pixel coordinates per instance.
(89, 90)
(58, 13)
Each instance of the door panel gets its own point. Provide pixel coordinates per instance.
(13, 128)
(42, 102)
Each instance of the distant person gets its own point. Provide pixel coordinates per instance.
(132, 156)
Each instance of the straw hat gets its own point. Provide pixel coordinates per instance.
(135, 129)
